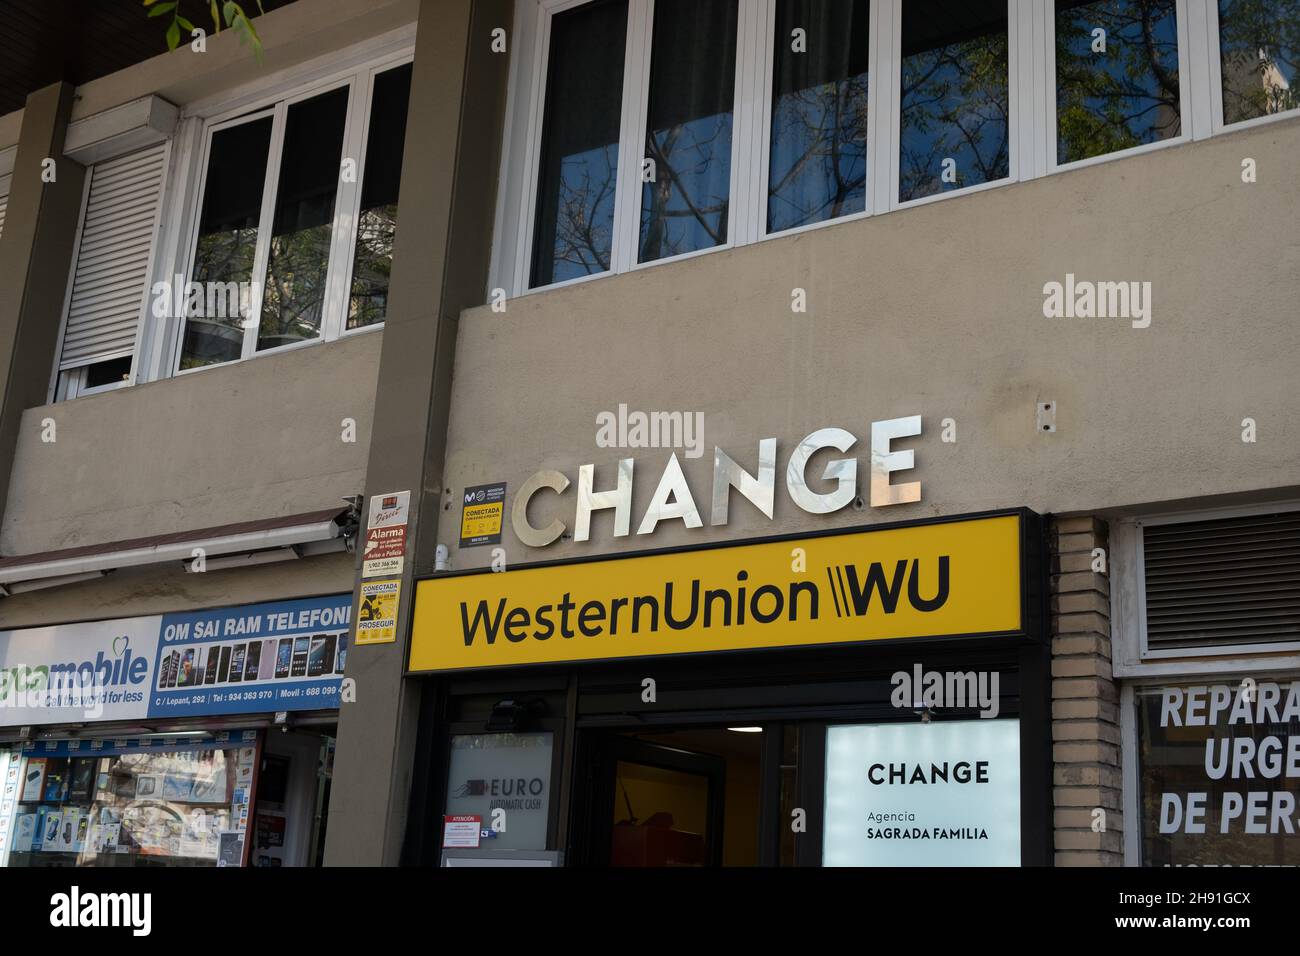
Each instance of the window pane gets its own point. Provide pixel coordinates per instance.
(818, 164)
(1259, 42)
(1116, 75)
(227, 243)
(294, 292)
(688, 132)
(372, 262)
(953, 124)
(578, 170)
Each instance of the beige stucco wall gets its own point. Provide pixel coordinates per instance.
(291, 35)
(934, 310)
(257, 439)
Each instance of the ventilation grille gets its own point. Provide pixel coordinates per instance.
(112, 272)
(1223, 582)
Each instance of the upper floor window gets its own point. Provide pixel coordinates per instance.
(817, 153)
(955, 101)
(293, 239)
(1117, 76)
(1259, 49)
(646, 130)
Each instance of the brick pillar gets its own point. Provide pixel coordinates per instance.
(1085, 709)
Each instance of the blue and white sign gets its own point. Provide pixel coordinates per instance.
(287, 655)
(257, 658)
(946, 793)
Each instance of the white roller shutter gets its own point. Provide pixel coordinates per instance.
(112, 272)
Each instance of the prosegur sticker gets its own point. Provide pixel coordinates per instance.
(377, 616)
(480, 521)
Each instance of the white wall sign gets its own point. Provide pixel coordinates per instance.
(505, 779)
(69, 673)
(938, 794)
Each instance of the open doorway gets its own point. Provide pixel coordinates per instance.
(678, 797)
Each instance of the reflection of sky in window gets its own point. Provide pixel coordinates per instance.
(819, 154)
(954, 105)
(1125, 96)
(585, 221)
(686, 207)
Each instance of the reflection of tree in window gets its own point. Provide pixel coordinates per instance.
(688, 132)
(294, 294)
(1259, 42)
(574, 229)
(372, 262)
(954, 98)
(818, 160)
(227, 240)
(1121, 96)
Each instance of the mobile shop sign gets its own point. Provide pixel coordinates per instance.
(285, 655)
(71, 673)
(941, 579)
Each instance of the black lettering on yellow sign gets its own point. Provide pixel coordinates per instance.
(956, 578)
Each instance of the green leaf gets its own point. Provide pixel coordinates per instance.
(162, 9)
(185, 24)
(229, 9)
(149, 2)
(216, 17)
(173, 35)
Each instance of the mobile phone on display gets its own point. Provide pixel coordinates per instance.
(342, 656)
(254, 659)
(223, 669)
(186, 676)
(267, 669)
(237, 664)
(214, 660)
(316, 656)
(299, 666)
(173, 667)
(282, 657)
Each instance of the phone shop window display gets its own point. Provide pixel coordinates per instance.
(143, 806)
(1220, 773)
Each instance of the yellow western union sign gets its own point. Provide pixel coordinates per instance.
(959, 577)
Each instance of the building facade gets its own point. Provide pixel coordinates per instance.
(742, 432)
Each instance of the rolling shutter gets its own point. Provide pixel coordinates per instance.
(112, 271)
(1223, 582)
(4, 201)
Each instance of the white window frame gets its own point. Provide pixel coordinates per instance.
(512, 260)
(161, 340)
(1031, 108)
(1216, 80)
(1186, 106)
(1132, 657)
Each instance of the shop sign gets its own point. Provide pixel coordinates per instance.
(256, 658)
(503, 781)
(929, 580)
(69, 673)
(923, 794)
(674, 500)
(285, 655)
